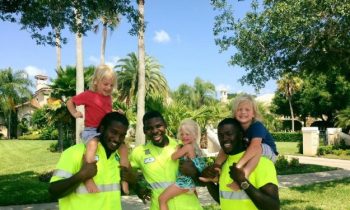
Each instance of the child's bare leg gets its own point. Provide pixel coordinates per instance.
(168, 194)
(251, 165)
(124, 161)
(91, 148)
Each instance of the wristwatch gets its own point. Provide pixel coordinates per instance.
(244, 185)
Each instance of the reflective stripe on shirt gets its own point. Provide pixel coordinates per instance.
(160, 185)
(62, 173)
(103, 188)
(238, 195)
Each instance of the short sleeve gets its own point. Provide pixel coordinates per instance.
(81, 98)
(69, 164)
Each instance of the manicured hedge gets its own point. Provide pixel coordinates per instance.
(287, 136)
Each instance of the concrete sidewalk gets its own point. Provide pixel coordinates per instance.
(133, 203)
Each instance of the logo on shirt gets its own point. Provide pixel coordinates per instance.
(117, 158)
(149, 160)
(147, 152)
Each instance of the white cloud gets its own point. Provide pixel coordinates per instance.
(95, 61)
(161, 37)
(32, 71)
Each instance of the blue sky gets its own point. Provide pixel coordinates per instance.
(179, 35)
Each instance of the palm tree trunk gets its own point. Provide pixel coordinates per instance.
(291, 111)
(140, 137)
(58, 49)
(103, 45)
(79, 77)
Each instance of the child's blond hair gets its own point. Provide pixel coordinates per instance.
(101, 72)
(246, 98)
(193, 128)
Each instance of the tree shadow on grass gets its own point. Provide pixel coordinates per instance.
(287, 204)
(23, 188)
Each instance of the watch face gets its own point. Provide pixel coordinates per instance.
(244, 185)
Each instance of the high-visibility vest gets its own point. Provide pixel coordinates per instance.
(107, 180)
(160, 172)
(263, 174)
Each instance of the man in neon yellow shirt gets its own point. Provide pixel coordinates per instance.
(67, 182)
(259, 191)
(159, 170)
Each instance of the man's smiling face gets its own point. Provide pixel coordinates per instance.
(230, 138)
(154, 129)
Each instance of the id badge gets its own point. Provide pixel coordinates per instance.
(148, 160)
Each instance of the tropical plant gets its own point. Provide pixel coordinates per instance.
(127, 71)
(288, 85)
(342, 119)
(14, 90)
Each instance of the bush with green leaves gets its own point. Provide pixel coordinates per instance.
(287, 136)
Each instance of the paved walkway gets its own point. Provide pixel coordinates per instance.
(133, 203)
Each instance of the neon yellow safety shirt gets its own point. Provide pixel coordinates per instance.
(107, 180)
(160, 172)
(263, 174)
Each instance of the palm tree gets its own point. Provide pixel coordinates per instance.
(79, 125)
(204, 92)
(14, 89)
(109, 20)
(155, 82)
(288, 85)
(342, 118)
(141, 92)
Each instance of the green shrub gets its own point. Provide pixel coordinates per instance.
(323, 150)
(48, 133)
(281, 163)
(300, 147)
(294, 162)
(287, 136)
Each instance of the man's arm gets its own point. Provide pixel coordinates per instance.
(213, 190)
(266, 197)
(61, 188)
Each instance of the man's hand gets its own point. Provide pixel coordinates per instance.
(188, 168)
(211, 173)
(88, 170)
(144, 194)
(237, 174)
(127, 174)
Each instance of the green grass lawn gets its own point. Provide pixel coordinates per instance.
(21, 164)
(320, 196)
(24, 160)
(287, 148)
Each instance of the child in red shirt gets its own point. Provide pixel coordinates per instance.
(98, 102)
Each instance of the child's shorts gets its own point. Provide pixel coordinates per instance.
(88, 134)
(268, 152)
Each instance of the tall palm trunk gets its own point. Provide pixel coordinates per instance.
(103, 45)
(291, 111)
(58, 49)
(58, 67)
(140, 137)
(79, 77)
